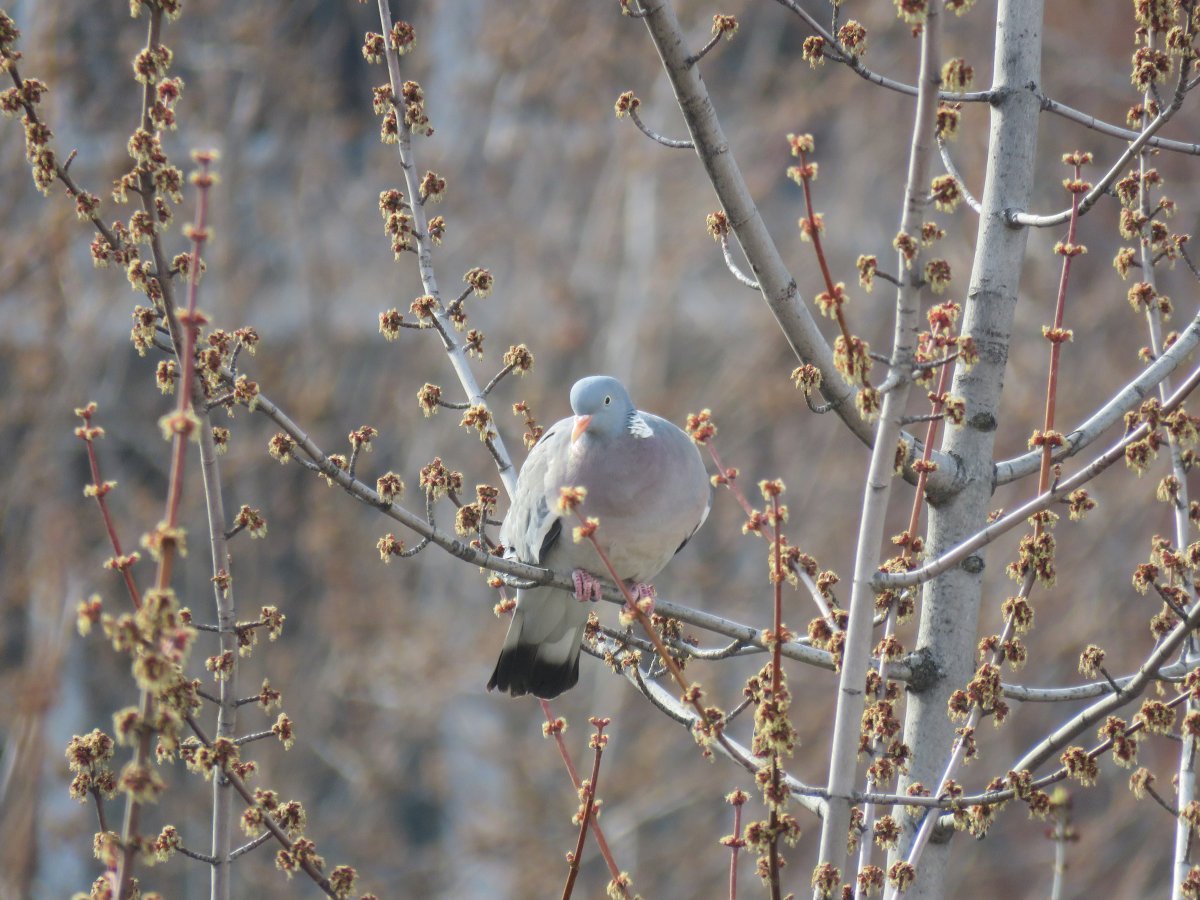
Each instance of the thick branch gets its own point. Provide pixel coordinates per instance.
(1112, 412)
(1015, 217)
(946, 561)
(776, 283)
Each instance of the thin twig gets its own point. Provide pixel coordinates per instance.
(741, 276)
(820, 408)
(1047, 104)
(1165, 804)
(598, 742)
(495, 381)
(838, 53)
(256, 736)
(704, 51)
(201, 857)
(778, 701)
(736, 841)
(101, 816)
(1116, 688)
(927, 417)
(1125, 134)
(948, 162)
(60, 171)
(1187, 261)
(268, 820)
(655, 136)
(729, 480)
(88, 434)
(455, 351)
(1111, 412)
(553, 731)
(250, 845)
(183, 335)
(1015, 217)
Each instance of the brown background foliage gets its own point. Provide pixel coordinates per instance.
(408, 770)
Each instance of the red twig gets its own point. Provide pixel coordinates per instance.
(735, 841)
(690, 696)
(814, 232)
(1048, 447)
(728, 477)
(597, 743)
(88, 433)
(931, 432)
(777, 694)
(183, 425)
(553, 730)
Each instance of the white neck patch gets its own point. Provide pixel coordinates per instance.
(637, 426)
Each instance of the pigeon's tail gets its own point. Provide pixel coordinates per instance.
(541, 652)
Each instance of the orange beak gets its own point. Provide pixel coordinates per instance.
(581, 424)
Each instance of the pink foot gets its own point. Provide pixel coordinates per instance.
(644, 595)
(587, 586)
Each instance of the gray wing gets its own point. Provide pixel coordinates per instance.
(532, 525)
(541, 651)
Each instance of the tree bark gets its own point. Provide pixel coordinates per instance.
(950, 604)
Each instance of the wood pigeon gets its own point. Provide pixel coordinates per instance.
(647, 485)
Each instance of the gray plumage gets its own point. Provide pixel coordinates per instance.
(647, 485)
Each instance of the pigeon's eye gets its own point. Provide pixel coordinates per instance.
(607, 400)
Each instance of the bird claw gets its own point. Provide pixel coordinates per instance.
(587, 586)
(644, 596)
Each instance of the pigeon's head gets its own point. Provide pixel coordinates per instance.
(601, 406)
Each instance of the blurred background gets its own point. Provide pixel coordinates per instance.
(409, 770)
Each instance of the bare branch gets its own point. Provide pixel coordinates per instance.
(805, 795)
(1112, 412)
(495, 381)
(1171, 673)
(250, 845)
(256, 736)
(1087, 718)
(273, 827)
(984, 537)
(655, 136)
(777, 285)
(1125, 134)
(200, 857)
(741, 276)
(704, 51)
(455, 351)
(1015, 217)
(952, 169)
(838, 53)
(927, 417)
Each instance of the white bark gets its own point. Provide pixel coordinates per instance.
(776, 283)
(950, 606)
(843, 757)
